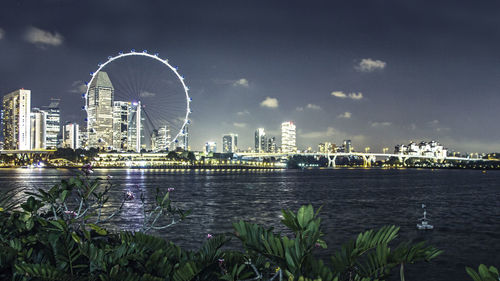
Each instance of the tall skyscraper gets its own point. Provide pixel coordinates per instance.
(71, 136)
(52, 124)
(230, 143)
(100, 112)
(38, 127)
(260, 141)
(183, 139)
(16, 120)
(288, 143)
(127, 126)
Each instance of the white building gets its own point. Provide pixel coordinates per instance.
(16, 120)
(38, 127)
(429, 149)
(100, 112)
(127, 126)
(52, 124)
(288, 137)
(71, 136)
(230, 143)
(260, 141)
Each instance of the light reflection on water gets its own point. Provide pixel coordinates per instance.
(462, 204)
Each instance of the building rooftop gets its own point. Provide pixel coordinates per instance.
(101, 80)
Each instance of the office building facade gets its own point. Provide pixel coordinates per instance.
(230, 143)
(100, 112)
(288, 137)
(17, 120)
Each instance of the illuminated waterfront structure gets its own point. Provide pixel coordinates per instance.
(326, 147)
(38, 121)
(288, 137)
(100, 112)
(210, 146)
(183, 139)
(52, 124)
(127, 126)
(432, 149)
(71, 136)
(230, 143)
(260, 141)
(16, 120)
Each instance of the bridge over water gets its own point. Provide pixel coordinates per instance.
(368, 158)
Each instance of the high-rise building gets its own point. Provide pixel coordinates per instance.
(272, 146)
(260, 141)
(210, 146)
(288, 136)
(38, 127)
(100, 112)
(230, 143)
(326, 147)
(127, 126)
(160, 139)
(347, 146)
(52, 124)
(16, 120)
(71, 136)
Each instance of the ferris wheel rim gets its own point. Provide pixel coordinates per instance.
(157, 58)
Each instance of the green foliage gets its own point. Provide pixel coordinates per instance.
(484, 273)
(49, 239)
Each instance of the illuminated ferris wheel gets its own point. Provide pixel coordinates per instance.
(134, 101)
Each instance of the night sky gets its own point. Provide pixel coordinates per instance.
(377, 72)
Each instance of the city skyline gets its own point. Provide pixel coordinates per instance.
(394, 73)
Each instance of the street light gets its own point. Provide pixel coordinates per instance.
(385, 149)
(367, 149)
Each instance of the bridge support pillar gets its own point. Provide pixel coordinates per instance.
(331, 160)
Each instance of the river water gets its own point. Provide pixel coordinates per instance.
(463, 205)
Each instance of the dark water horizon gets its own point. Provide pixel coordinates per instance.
(463, 205)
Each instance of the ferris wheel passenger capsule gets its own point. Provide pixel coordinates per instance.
(132, 51)
(83, 96)
(190, 99)
(120, 52)
(110, 57)
(145, 51)
(83, 107)
(86, 83)
(156, 54)
(91, 73)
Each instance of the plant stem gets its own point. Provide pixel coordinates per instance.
(402, 272)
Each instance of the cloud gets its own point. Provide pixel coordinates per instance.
(43, 38)
(146, 94)
(243, 82)
(345, 115)
(313, 106)
(269, 102)
(78, 87)
(369, 65)
(342, 95)
(243, 113)
(381, 124)
(436, 126)
(330, 132)
(308, 106)
(240, 125)
(2, 33)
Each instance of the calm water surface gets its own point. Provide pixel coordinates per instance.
(463, 204)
